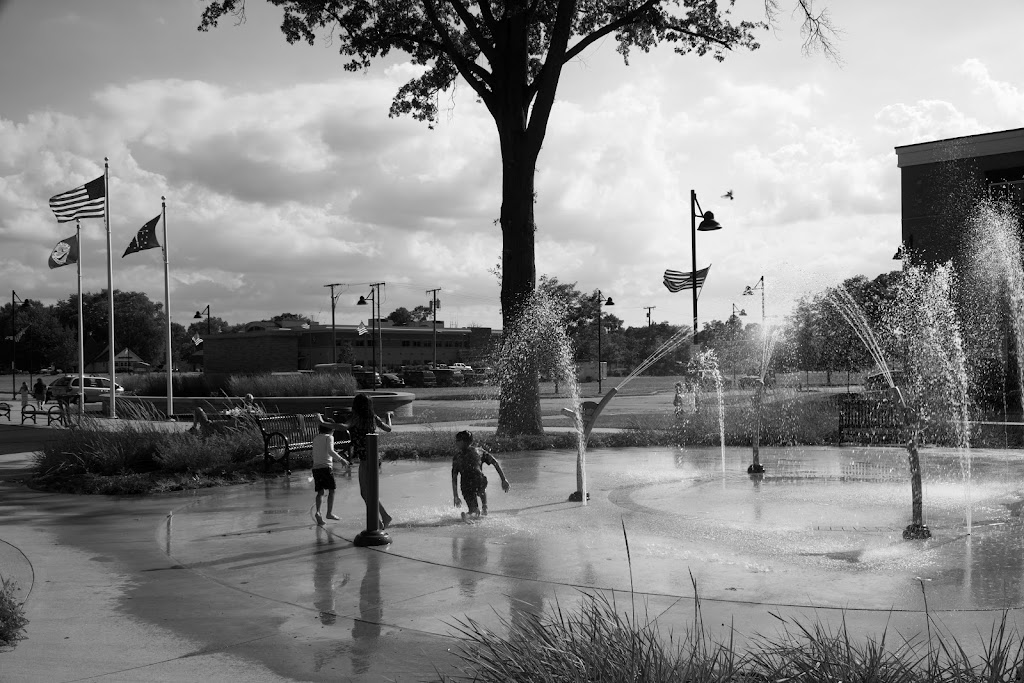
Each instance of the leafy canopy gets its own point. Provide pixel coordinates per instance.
(512, 51)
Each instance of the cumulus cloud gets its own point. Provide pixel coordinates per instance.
(1008, 98)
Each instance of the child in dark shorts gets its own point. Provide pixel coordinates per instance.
(324, 456)
(468, 462)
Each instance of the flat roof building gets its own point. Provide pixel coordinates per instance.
(292, 345)
(942, 181)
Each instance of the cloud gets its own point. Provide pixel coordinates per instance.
(1007, 97)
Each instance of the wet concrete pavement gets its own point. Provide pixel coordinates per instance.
(239, 584)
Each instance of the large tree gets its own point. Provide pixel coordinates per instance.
(511, 53)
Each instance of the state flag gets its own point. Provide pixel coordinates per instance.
(196, 339)
(86, 201)
(65, 253)
(361, 329)
(145, 239)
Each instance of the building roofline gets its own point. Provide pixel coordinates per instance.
(965, 147)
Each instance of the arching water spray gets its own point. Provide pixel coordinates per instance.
(925, 331)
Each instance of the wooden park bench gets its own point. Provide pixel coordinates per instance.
(286, 434)
(5, 411)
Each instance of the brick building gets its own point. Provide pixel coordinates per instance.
(942, 181)
(288, 346)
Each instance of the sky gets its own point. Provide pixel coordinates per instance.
(283, 173)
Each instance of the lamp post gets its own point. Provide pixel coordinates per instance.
(707, 223)
(600, 386)
(374, 296)
(738, 312)
(749, 291)
(14, 341)
(199, 316)
(334, 334)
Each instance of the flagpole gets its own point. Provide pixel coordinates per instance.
(110, 291)
(81, 330)
(167, 310)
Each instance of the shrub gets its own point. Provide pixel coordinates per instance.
(292, 384)
(12, 615)
(257, 384)
(155, 384)
(131, 456)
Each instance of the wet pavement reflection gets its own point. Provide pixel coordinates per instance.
(822, 528)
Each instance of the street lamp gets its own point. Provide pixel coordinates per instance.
(600, 388)
(334, 334)
(749, 291)
(738, 312)
(14, 340)
(199, 316)
(374, 296)
(707, 224)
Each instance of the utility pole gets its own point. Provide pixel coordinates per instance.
(433, 309)
(334, 334)
(649, 314)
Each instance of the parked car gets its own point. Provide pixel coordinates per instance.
(67, 387)
(449, 377)
(419, 378)
(390, 380)
(461, 367)
(364, 379)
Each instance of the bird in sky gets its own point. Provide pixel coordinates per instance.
(728, 195)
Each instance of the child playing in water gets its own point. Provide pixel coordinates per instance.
(324, 456)
(677, 402)
(469, 462)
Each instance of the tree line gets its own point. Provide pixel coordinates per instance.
(813, 337)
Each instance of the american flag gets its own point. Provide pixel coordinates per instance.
(196, 339)
(676, 281)
(82, 202)
(18, 336)
(361, 329)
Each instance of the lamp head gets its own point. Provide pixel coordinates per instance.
(362, 301)
(708, 222)
(198, 315)
(747, 291)
(609, 302)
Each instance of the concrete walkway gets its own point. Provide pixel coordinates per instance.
(239, 584)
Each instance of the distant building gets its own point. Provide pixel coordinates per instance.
(126, 361)
(942, 181)
(291, 345)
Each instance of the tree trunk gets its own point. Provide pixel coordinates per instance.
(519, 405)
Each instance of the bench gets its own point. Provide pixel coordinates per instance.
(286, 434)
(5, 411)
(31, 413)
(57, 414)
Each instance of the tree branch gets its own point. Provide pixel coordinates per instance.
(470, 21)
(624, 20)
(465, 66)
(487, 14)
(545, 84)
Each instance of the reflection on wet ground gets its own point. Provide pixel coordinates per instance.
(822, 527)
